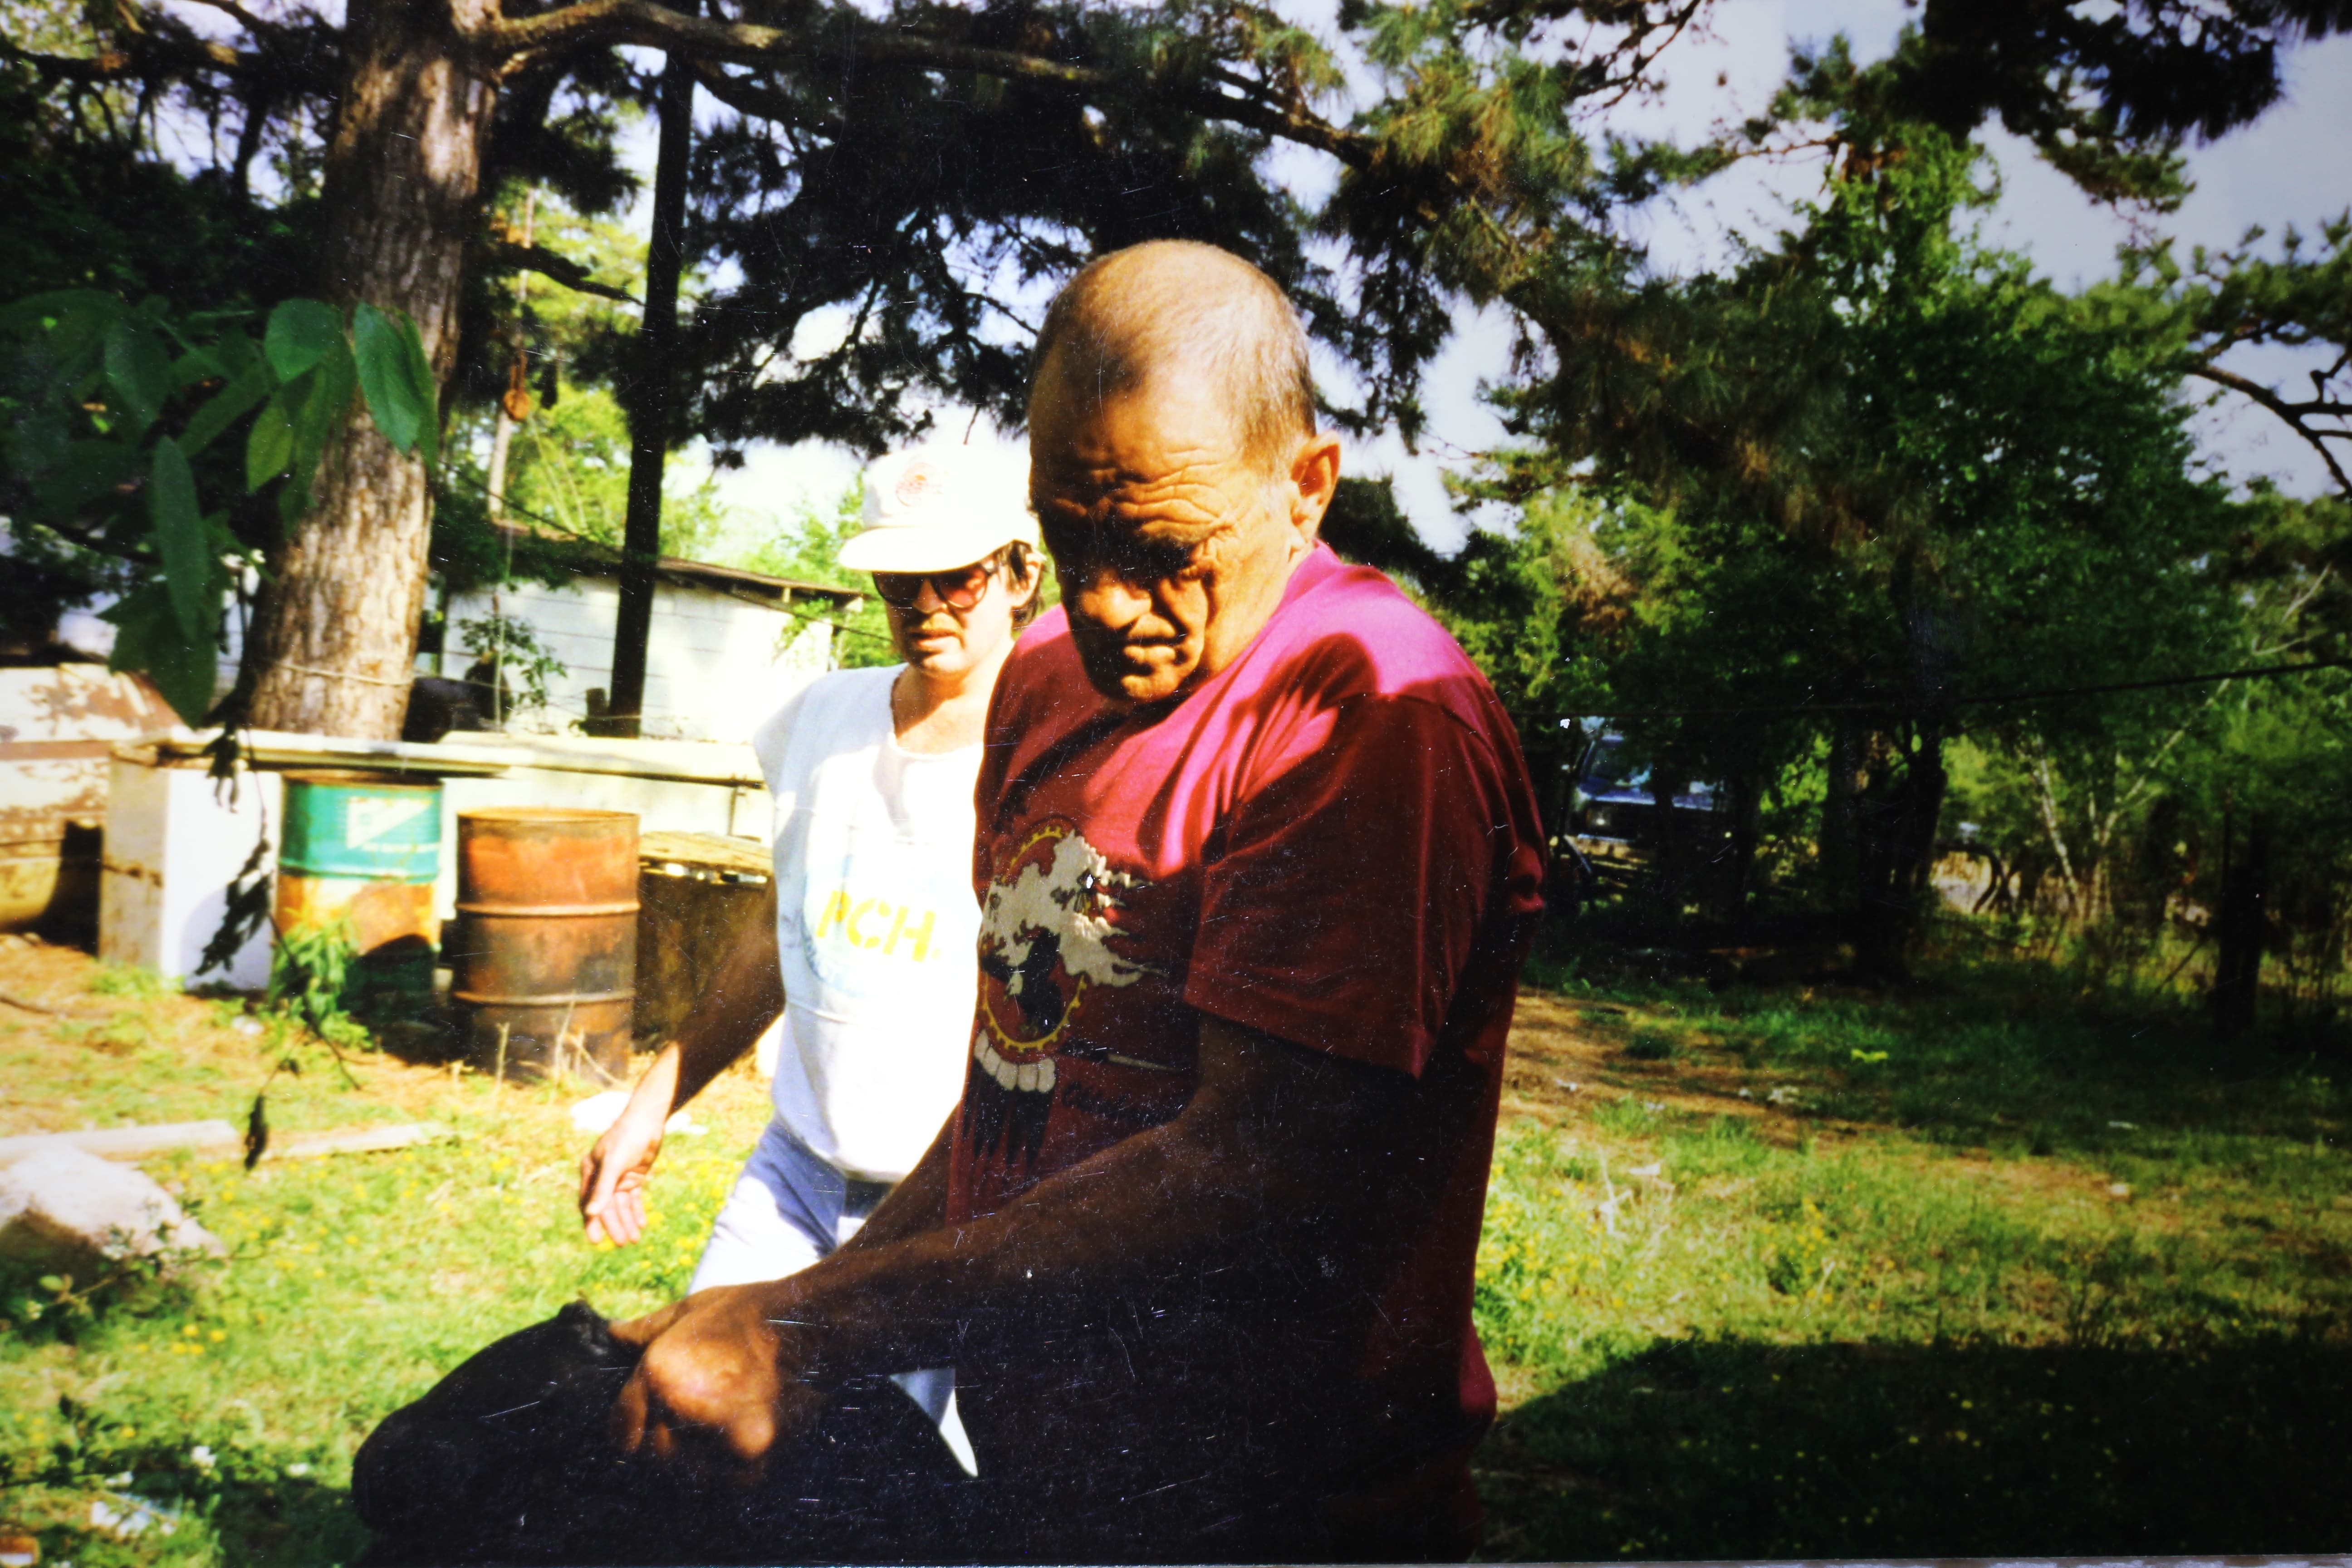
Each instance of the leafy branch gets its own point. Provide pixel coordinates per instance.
(107, 409)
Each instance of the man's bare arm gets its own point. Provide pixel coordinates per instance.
(726, 1021)
(734, 1010)
(1276, 1155)
(918, 1204)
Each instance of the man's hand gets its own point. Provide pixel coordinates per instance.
(714, 1388)
(613, 1173)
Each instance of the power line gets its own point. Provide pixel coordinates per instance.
(2037, 694)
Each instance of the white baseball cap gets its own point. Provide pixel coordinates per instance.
(930, 509)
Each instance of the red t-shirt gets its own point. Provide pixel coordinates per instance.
(1334, 841)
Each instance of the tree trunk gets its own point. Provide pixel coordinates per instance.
(649, 421)
(1900, 860)
(336, 629)
(1744, 798)
(2239, 927)
(1840, 845)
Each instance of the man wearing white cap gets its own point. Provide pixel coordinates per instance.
(870, 957)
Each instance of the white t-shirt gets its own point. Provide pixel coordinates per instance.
(876, 924)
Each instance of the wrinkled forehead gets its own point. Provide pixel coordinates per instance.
(1091, 496)
(1167, 454)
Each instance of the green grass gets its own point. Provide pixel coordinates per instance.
(354, 1284)
(1790, 1271)
(1999, 1274)
(228, 1404)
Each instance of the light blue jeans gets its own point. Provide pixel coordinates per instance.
(790, 1208)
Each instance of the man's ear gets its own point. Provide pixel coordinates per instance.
(1313, 481)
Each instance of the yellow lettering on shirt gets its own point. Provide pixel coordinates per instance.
(837, 907)
(920, 935)
(859, 923)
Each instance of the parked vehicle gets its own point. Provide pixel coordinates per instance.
(1612, 799)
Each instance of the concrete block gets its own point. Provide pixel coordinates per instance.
(68, 1210)
(212, 1139)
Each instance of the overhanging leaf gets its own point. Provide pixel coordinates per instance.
(225, 407)
(299, 334)
(76, 340)
(56, 305)
(329, 405)
(404, 411)
(180, 539)
(256, 1126)
(294, 498)
(148, 640)
(271, 445)
(326, 404)
(40, 441)
(89, 470)
(237, 352)
(138, 369)
(197, 364)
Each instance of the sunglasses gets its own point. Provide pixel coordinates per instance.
(958, 588)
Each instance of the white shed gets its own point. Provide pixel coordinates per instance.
(726, 648)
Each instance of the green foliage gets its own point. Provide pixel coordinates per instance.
(1785, 521)
(312, 983)
(2107, 104)
(132, 980)
(397, 379)
(89, 386)
(512, 651)
(570, 466)
(568, 463)
(808, 550)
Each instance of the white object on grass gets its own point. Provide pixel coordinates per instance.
(69, 1210)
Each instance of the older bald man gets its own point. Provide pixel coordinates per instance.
(1258, 857)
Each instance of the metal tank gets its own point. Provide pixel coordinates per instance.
(545, 952)
(365, 849)
(58, 724)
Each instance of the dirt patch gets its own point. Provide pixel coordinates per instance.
(1568, 1056)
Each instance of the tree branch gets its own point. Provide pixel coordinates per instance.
(136, 64)
(243, 17)
(505, 256)
(519, 41)
(647, 23)
(747, 96)
(293, 61)
(2256, 391)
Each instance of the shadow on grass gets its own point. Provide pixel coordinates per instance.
(157, 1508)
(1729, 1449)
(2010, 1056)
(288, 1522)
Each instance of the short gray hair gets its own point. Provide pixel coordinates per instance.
(1128, 313)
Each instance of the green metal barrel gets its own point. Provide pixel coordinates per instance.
(366, 848)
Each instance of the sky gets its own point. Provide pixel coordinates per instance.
(2293, 167)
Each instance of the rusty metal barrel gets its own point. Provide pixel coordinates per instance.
(546, 958)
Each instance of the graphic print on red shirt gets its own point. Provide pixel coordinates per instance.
(1050, 919)
(1332, 841)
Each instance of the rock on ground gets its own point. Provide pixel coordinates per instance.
(71, 1212)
